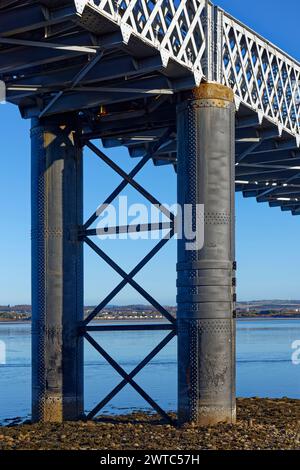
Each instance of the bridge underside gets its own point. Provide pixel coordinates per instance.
(54, 60)
(180, 83)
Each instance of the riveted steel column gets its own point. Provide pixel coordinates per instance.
(206, 277)
(57, 267)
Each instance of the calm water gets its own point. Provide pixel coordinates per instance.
(264, 366)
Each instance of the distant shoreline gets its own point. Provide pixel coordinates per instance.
(158, 320)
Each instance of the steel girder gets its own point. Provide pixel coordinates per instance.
(125, 65)
(192, 38)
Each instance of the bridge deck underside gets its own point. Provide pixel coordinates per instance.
(53, 60)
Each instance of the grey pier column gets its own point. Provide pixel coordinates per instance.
(206, 277)
(57, 266)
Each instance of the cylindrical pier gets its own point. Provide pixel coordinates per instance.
(206, 275)
(57, 270)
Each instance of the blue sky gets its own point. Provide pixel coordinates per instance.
(268, 249)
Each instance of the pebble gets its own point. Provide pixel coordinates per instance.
(262, 424)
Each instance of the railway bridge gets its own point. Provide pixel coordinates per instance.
(177, 82)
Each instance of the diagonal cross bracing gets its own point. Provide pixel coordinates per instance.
(128, 278)
(132, 273)
(132, 374)
(129, 377)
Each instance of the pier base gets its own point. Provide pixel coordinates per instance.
(206, 276)
(57, 271)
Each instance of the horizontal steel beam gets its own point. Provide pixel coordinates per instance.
(285, 204)
(100, 231)
(284, 157)
(16, 58)
(276, 145)
(265, 174)
(129, 327)
(128, 90)
(246, 135)
(253, 120)
(276, 193)
(32, 17)
(106, 71)
(49, 45)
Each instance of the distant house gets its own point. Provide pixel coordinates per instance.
(5, 308)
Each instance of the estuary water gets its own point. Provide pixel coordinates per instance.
(264, 366)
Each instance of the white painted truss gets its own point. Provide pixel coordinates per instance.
(176, 28)
(214, 46)
(262, 76)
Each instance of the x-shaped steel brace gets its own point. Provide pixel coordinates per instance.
(125, 281)
(128, 278)
(116, 191)
(130, 181)
(127, 178)
(128, 378)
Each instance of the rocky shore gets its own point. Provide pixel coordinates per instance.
(261, 424)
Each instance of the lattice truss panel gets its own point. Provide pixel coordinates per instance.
(176, 28)
(262, 76)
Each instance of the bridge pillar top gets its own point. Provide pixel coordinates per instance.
(212, 91)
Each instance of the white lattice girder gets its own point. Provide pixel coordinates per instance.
(188, 31)
(176, 29)
(261, 75)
